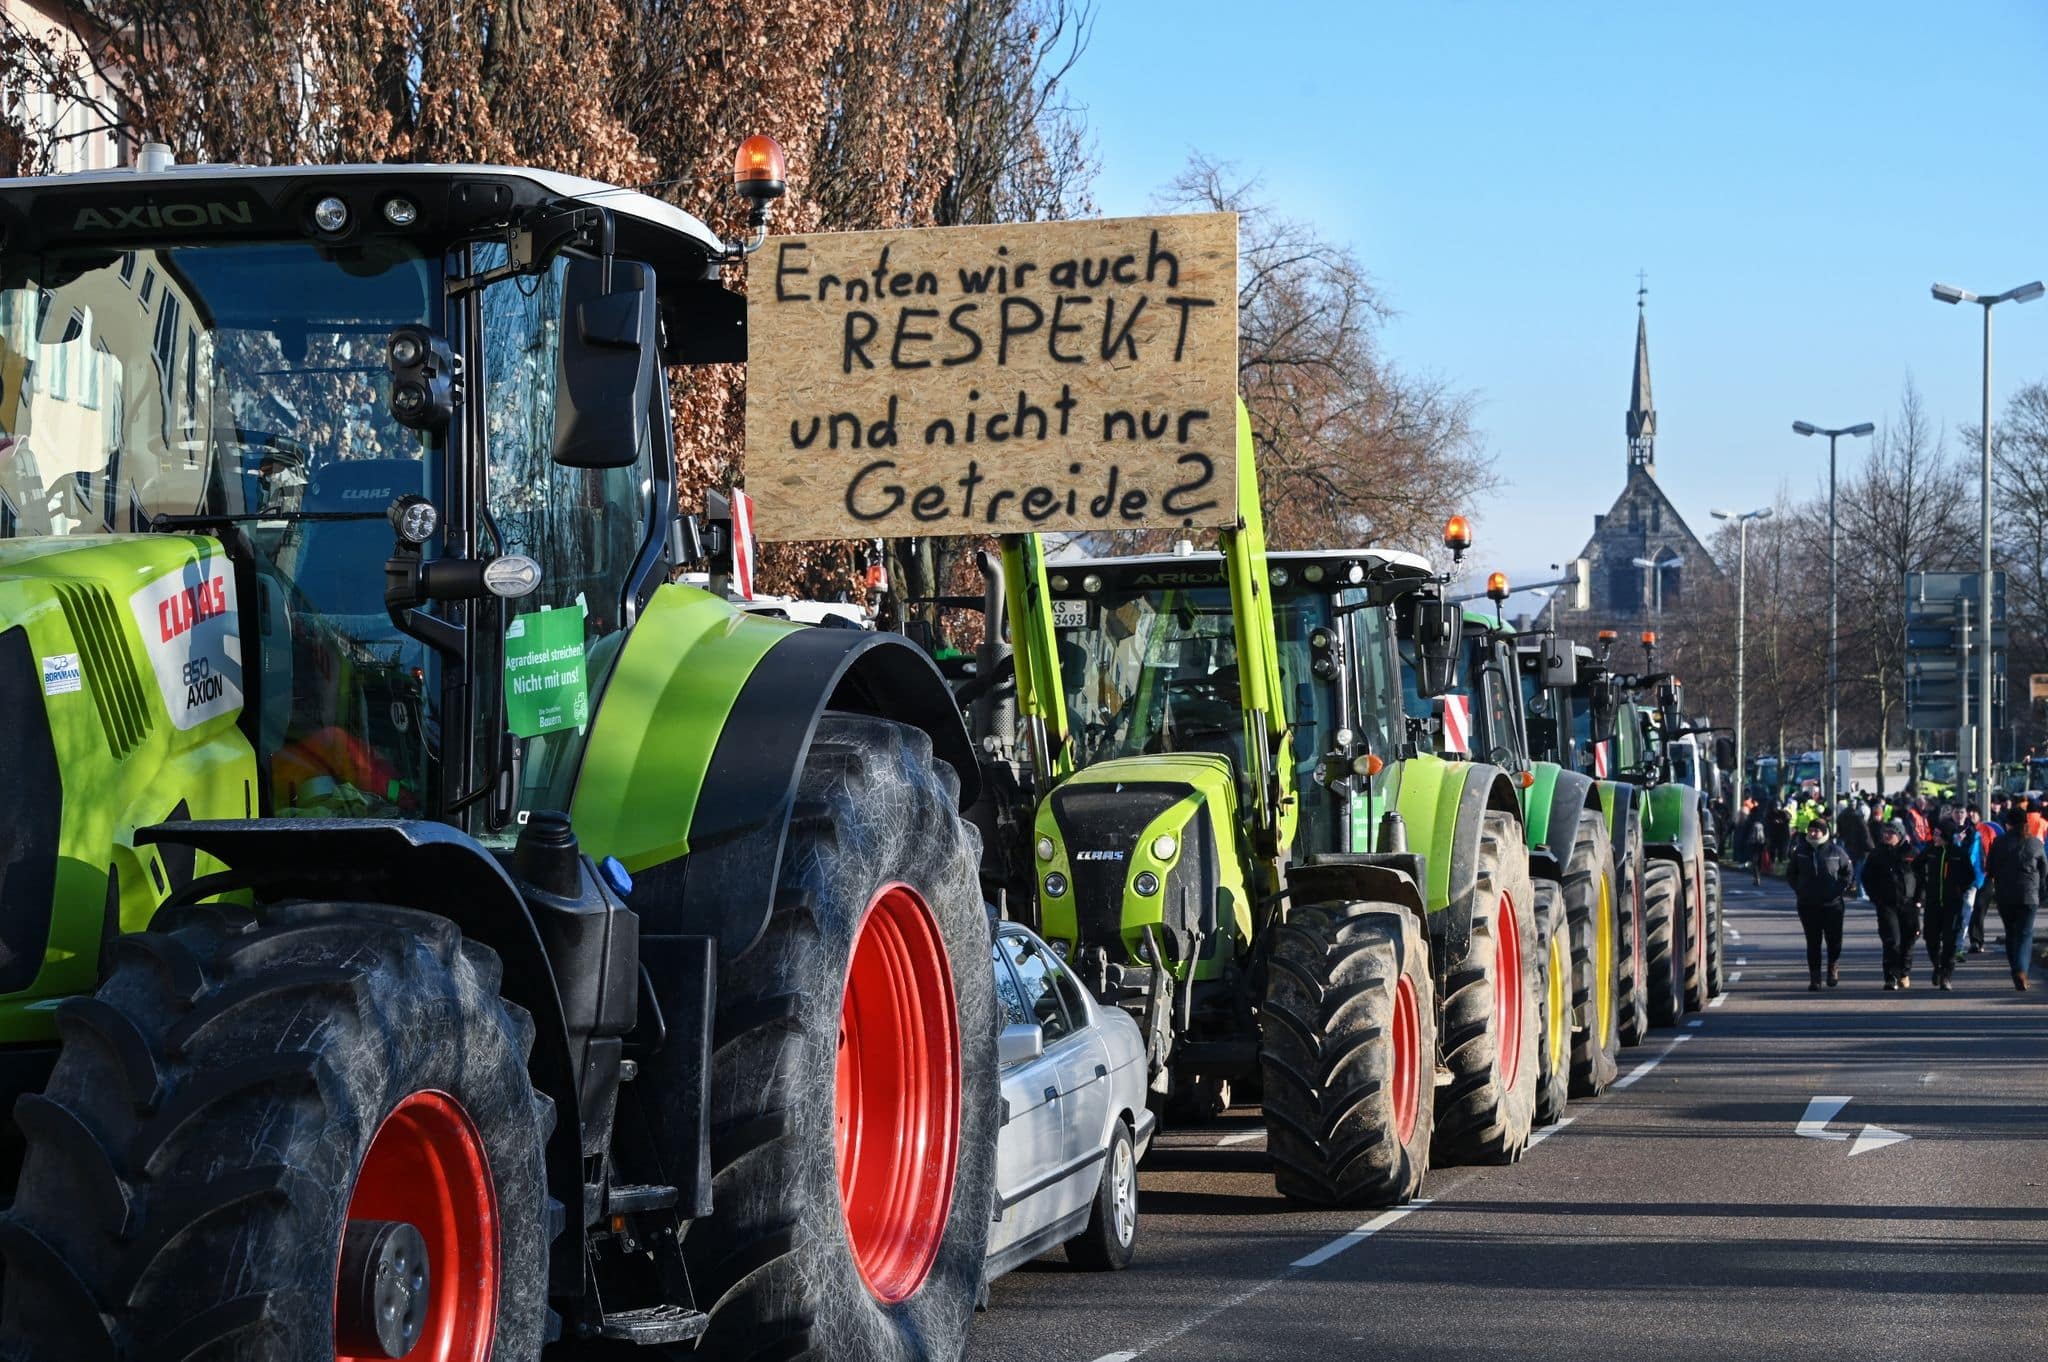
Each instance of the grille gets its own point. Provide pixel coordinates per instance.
(30, 821)
(109, 676)
(1106, 818)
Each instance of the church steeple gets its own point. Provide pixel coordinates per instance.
(1642, 413)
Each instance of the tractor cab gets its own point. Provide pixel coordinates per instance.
(1479, 714)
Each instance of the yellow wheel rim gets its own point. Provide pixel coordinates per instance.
(1603, 960)
(1559, 1038)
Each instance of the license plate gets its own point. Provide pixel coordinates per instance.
(1070, 614)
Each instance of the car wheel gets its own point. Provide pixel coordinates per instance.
(1112, 1234)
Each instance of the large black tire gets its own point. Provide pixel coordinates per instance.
(1554, 1005)
(1633, 991)
(774, 1264)
(1698, 931)
(1716, 983)
(1329, 1040)
(1484, 1114)
(191, 1162)
(1664, 946)
(1590, 905)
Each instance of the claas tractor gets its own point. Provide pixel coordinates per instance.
(1563, 689)
(427, 932)
(1234, 844)
(1682, 879)
(1479, 715)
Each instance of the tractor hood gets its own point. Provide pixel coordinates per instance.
(1107, 827)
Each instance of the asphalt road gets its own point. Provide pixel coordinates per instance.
(1680, 1216)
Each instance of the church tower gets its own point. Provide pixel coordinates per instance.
(1642, 413)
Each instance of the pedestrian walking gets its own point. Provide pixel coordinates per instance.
(1852, 830)
(1888, 881)
(1980, 846)
(1989, 830)
(1822, 877)
(1946, 871)
(2019, 869)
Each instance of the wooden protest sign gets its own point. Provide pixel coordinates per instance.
(986, 380)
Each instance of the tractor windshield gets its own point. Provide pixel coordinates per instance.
(244, 384)
(1151, 671)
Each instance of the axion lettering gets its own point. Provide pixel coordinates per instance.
(116, 218)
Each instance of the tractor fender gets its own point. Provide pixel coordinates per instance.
(704, 842)
(1381, 877)
(435, 869)
(1619, 800)
(1671, 822)
(1444, 805)
(1570, 795)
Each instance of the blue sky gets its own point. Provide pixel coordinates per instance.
(1793, 177)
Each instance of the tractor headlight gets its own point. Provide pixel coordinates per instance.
(401, 212)
(1045, 848)
(1055, 885)
(1163, 847)
(1060, 946)
(1147, 883)
(330, 214)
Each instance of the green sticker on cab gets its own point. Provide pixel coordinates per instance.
(547, 683)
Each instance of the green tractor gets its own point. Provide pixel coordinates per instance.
(1658, 749)
(1223, 845)
(1563, 689)
(424, 931)
(1480, 715)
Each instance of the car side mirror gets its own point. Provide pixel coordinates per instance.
(1438, 623)
(1020, 1043)
(605, 372)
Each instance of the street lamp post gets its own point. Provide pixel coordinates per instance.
(1827, 781)
(1656, 571)
(1741, 627)
(1949, 293)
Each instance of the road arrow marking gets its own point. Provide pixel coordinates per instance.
(1875, 1137)
(1820, 1111)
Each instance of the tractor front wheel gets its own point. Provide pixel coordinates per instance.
(1554, 1048)
(853, 1080)
(1490, 1020)
(1348, 1052)
(1664, 915)
(1716, 982)
(301, 1132)
(1596, 969)
(1632, 1024)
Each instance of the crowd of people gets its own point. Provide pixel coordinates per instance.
(1934, 870)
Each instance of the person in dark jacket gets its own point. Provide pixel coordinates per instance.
(1888, 880)
(1822, 876)
(2019, 868)
(1853, 832)
(1945, 873)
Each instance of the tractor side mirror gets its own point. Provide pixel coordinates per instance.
(1560, 670)
(605, 372)
(1438, 623)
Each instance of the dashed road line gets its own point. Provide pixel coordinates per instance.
(1540, 1136)
(1354, 1238)
(1699, 1021)
(1242, 1137)
(1718, 1001)
(1630, 1079)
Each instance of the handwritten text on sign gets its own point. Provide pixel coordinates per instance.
(974, 380)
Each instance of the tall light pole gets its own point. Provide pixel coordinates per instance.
(1656, 571)
(1949, 293)
(1827, 775)
(1741, 627)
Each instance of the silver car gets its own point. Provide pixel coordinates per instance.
(1075, 1122)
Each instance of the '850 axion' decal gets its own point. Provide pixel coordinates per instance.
(191, 632)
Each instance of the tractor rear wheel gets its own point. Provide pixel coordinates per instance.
(1697, 933)
(301, 1132)
(1715, 931)
(1490, 1012)
(1554, 1044)
(1664, 914)
(1348, 1052)
(853, 1086)
(1596, 974)
(1633, 987)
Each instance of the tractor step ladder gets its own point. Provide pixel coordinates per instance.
(654, 1324)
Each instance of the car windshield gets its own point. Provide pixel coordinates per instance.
(1940, 769)
(245, 382)
(1150, 671)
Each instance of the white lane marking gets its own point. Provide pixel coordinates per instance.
(1242, 1137)
(1629, 1079)
(1700, 1021)
(1741, 959)
(1820, 1111)
(1875, 1137)
(1125, 1356)
(1540, 1136)
(1718, 1001)
(1734, 935)
(1358, 1236)
(1736, 977)
(1928, 1078)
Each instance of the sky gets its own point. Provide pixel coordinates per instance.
(1792, 177)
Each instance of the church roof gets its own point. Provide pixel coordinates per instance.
(1642, 412)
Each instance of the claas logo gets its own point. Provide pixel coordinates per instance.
(179, 613)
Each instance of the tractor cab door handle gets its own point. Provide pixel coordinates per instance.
(1052, 1094)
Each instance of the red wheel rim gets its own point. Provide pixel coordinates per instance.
(427, 1167)
(1507, 990)
(1407, 1060)
(1642, 976)
(897, 1093)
